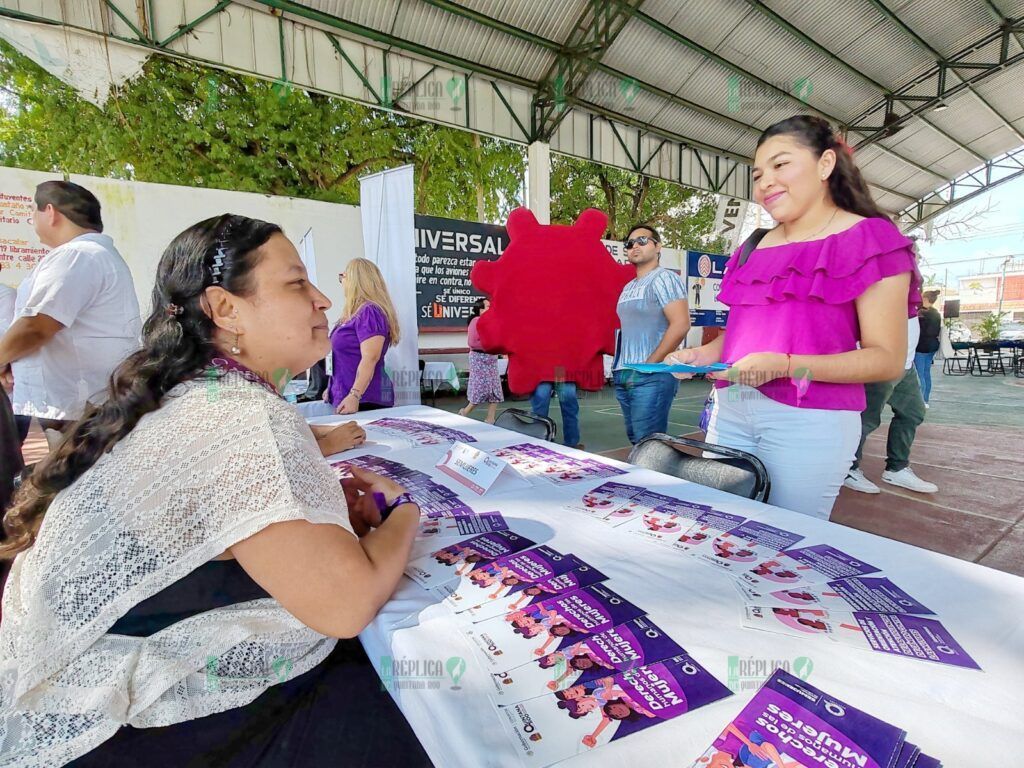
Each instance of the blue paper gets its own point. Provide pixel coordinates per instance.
(677, 368)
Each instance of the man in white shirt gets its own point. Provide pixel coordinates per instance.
(76, 316)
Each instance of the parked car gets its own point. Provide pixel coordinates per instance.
(959, 332)
(1012, 332)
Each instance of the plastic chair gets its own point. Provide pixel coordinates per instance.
(730, 470)
(953, 363)
(527, 423)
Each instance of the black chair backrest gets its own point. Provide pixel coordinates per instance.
(527, 423)
(731, 470)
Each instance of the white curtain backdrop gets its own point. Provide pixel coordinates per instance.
(386, 206)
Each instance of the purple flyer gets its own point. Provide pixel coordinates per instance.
(860, 593)
(523, 595)
(603, 499)
(618, 649)
(440, 528)
(642, 504)
(744, 545)
(704, 530)
(581, 718)
(808, 565)
(908, 756)
(517, 637)
(791, 723)
(913, 636)
(494, 579)
(455, 560)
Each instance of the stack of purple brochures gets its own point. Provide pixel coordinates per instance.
(791, 724)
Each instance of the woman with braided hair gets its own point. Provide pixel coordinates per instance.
(186, 561)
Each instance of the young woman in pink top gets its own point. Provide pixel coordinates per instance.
(819, 308)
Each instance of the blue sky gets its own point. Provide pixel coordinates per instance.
(999, 232)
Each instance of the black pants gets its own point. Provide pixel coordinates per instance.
(336, 714)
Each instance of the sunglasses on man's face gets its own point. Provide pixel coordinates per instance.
(642, 240)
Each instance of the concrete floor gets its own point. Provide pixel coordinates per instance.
(970, 446)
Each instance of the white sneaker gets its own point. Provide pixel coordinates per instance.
(856, 481)
(926, 406)
(906, 478)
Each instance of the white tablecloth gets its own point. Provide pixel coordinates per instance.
(966, 718)
(439, 373)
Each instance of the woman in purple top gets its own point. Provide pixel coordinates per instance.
(819, 308)
(359, 341)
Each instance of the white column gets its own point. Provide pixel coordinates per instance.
(538, 176)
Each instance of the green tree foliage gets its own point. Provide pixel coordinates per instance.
(179, 123)
(684, 217)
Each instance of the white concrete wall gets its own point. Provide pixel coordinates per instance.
(143, 218)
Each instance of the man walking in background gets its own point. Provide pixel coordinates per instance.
(904, 397)
(931, 329)
(76, 316)
(654, 318)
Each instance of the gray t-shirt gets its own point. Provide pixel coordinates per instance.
(641, 311)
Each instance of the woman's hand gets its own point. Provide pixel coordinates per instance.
(755, 369)
(335, 439)
(359, 490)
(682, 357)
(348, 405)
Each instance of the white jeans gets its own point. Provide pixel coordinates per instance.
(807, 451)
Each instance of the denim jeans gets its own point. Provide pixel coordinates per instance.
(923, 364)
(567, 402)
(645, 399)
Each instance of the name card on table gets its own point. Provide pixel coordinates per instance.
(474, 468)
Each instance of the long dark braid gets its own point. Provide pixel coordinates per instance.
(177, 345)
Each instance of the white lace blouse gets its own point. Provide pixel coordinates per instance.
(219, 461)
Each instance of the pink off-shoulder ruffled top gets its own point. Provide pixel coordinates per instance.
(799, 298)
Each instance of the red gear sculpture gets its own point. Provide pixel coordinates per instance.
(553, 294)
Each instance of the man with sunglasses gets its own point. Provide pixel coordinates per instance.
(654, 318)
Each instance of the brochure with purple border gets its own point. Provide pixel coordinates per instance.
(443, 528)
(859, 593)
(745, 544)
(494, 579)
(789, 722)
(914, 637)
(666, 523)
(542, 628)
(603, 499)
(454, 560)
(807, 565)
(580, 719)
(705, 528)
(615, 650)
(523, 595)
(644, 504)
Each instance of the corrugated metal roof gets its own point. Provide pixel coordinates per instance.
(738, 64)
